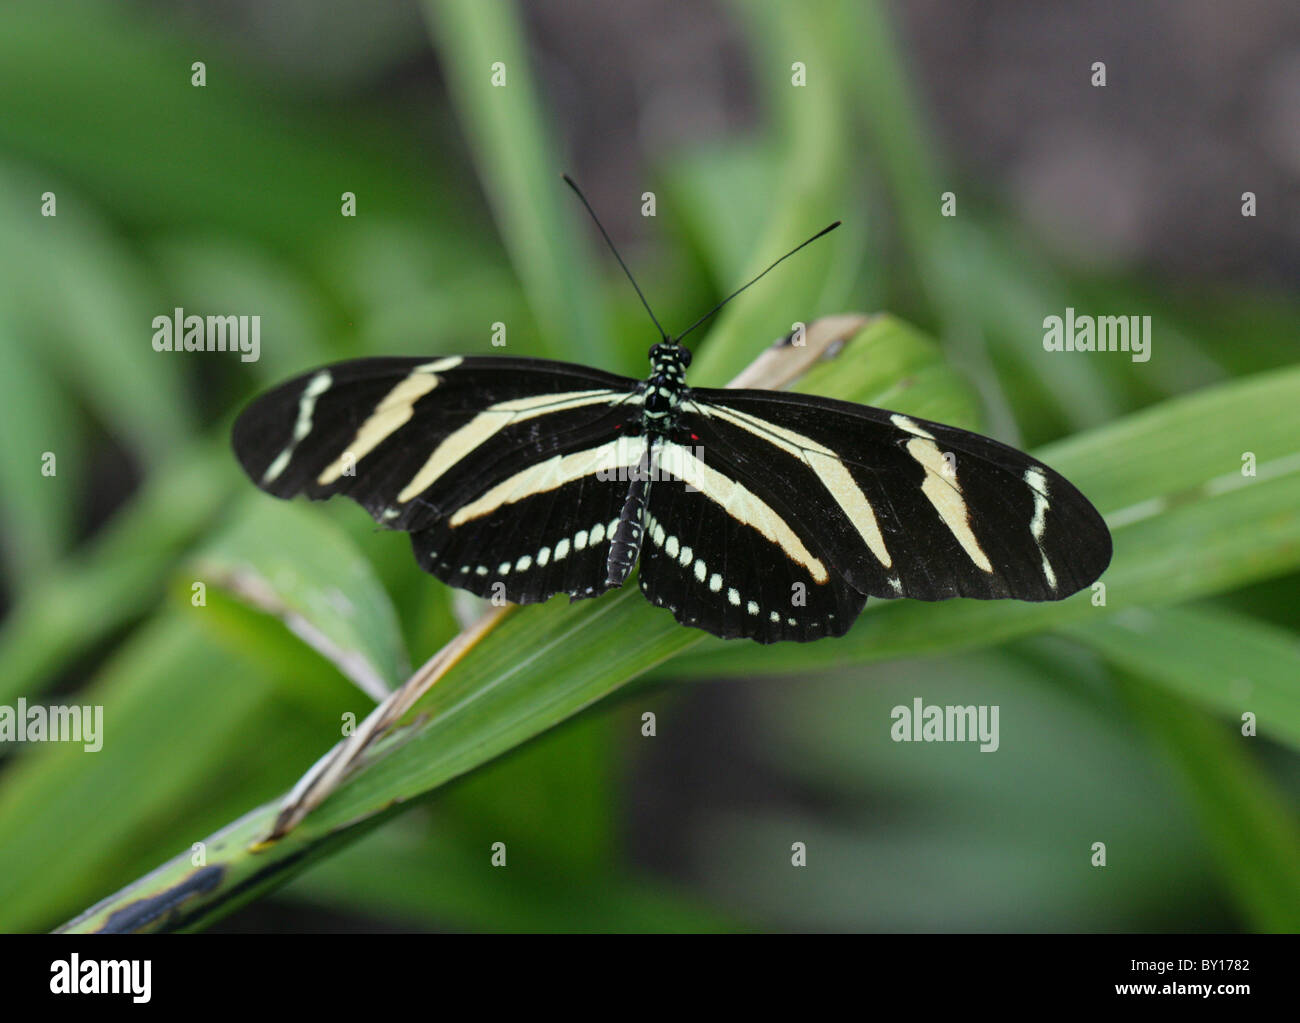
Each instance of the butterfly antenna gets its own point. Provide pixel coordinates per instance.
(824, 230)
(608, 241)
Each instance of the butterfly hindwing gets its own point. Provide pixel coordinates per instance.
(720, 557)
(556, 541)
(908, 507)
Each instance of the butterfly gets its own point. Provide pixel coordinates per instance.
(761, 514)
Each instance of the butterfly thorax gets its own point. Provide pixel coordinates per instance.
(663, 391)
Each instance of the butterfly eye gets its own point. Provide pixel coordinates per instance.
(684, 354)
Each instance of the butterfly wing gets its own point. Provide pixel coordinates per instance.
(726, 551)
(504, 471)
(906, 507)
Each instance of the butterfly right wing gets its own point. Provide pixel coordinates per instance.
(909, 507)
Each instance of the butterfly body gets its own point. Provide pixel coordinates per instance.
(757, 514)
(666, 387)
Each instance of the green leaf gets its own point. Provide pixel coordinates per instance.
(891, 364)
(286, 560)
(190, 735)
(500, 694)
(554, 804)
(1224, 661)
(440, 880)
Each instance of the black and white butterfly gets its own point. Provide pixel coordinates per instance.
(759, 514)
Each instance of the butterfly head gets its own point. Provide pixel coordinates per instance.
(669, 359)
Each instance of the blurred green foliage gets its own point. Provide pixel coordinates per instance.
(1121, 723)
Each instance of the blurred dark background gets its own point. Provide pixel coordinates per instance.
(1201, 102)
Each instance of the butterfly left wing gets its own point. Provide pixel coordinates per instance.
(505, 471)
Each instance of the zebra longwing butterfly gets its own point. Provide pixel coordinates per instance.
(759, 514)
